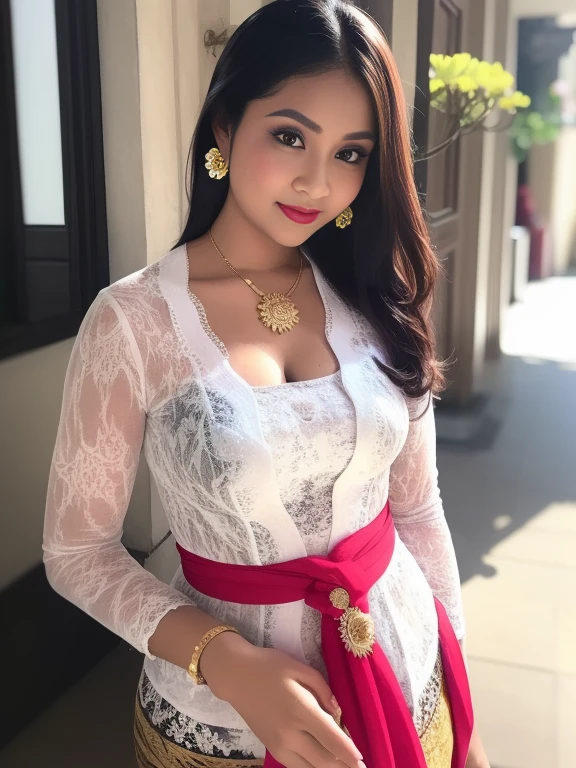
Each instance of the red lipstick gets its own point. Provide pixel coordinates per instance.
(298, 214)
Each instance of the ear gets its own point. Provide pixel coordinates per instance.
(222, 134)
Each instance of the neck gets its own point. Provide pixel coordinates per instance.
(248, 248)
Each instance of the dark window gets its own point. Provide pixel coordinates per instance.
(53, 238)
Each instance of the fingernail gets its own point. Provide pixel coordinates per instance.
(361, 764)
(334, 702)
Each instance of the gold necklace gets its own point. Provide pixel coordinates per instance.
(275, 310)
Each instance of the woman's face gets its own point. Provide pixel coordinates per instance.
(306, 146)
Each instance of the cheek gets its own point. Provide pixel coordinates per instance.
(261, 171)
(270, 172)
(345, 185)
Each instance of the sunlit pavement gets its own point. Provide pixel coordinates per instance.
(512, 511)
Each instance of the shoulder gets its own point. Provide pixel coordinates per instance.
(132, 306)
(139, 296)
(138, 286)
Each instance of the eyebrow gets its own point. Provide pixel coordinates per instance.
(295, 115)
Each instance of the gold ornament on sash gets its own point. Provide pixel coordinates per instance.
(356, 627)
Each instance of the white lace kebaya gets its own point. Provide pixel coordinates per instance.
(246, 475)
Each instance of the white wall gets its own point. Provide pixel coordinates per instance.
(552, 169)
(563, 220)
(241, 9)
(119, 76)
(30, 397)
(405, 44)
(542, 7)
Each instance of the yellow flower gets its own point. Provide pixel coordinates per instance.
(477, 86)
(493, 78)
(473, 67)
(521, 100)
(448, 68)
(516, 100)
(466, 84)
(436, 60)
(436, 84)
(460, 63)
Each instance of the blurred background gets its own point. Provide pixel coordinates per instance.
(98, 101)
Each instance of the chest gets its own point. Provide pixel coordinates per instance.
(260, 356)
(208, 442)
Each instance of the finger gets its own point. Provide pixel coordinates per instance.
(322, 726)
(324, 729)
(312, 751)
(317, 685)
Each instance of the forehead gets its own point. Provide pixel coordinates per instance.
(338, 102)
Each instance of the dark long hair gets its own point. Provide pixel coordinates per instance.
(383, 264)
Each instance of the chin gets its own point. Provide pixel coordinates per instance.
(292, 242)
(297, 238)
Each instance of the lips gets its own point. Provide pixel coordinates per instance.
(299, 215)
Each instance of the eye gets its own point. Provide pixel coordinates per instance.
(287, 138)
(360, 153)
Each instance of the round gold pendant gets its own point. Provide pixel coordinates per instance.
(357, 632)
(278, 312)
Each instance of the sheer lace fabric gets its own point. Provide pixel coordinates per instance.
(244, 476)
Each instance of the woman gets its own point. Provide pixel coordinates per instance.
(277, 367)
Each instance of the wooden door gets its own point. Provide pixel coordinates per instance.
(440, 30)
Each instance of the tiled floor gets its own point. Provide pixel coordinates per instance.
(512, 510)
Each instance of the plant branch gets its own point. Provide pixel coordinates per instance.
(438, 148)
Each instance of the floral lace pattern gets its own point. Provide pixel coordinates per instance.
(244, 476)
(235, 743)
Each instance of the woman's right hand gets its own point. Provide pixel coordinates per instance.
(288, 705)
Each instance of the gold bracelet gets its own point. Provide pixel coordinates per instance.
(193, 669)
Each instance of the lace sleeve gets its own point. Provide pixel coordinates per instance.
(418, 513)
(92, 474)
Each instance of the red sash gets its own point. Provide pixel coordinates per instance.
(373, 707)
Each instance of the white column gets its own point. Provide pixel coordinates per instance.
(405, 44)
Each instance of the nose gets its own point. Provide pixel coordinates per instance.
(313, 181)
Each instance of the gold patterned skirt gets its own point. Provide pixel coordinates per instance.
(155, 749)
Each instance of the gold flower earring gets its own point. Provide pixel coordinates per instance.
(216, 165)
(345, 218)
